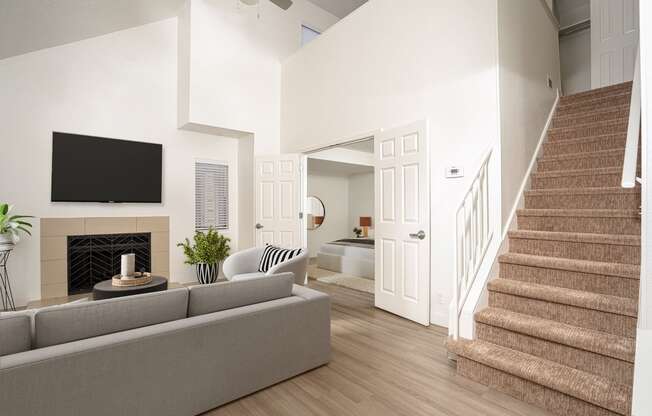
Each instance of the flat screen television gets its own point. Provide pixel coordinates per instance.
(96, 169)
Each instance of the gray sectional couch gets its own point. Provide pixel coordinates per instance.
(179, 352)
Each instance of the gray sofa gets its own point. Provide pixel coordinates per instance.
(179, 352)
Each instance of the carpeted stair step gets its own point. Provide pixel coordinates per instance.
(578, 178)
(595, 352)
(596, 221)
(614, 279)
(573, 161)
(622, 88)
(586, 144)
(582, 246)
(556, 387)
(587, 130)
(605, 313)
(608, 101)
(619, 113)
(584, 198)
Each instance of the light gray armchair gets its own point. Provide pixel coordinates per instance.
(244, 265)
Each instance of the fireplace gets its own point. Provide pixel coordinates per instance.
(54, 248)
(93, 258)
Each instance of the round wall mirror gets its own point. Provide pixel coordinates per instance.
(315, 212)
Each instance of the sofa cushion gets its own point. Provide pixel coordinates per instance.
(74, 322)
(228, 295)
(14, 334)
(31, 313)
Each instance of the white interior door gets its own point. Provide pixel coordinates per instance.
(614, 37)
(278, 209)
(402, 229)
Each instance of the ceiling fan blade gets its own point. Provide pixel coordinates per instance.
(283, 4)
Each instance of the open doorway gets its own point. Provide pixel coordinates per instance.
(398, 223)
(339, 211)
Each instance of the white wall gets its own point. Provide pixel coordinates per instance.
(231, 71)
(575, 49)
(334, 193)
(361, 200)
(575, 56)
(392, 63)
(121, 85)
(642, 400)
(246, 191)
(529, 52)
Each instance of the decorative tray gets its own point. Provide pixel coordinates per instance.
(138, 279)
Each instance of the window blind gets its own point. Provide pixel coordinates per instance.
(211, 195)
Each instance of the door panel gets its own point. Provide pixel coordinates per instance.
(614, 37)
(277, 184)
(388, 265)
(403, 222)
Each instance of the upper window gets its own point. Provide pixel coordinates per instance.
(308, 35)
(211, 195)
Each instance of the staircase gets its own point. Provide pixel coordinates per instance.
(560, 328)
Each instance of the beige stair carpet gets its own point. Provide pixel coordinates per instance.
(559, 331)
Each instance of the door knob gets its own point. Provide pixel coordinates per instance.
(420, 235)
(259, 226)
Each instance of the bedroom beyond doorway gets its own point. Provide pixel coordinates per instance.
(340, 215)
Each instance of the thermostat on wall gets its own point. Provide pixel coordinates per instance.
(454, 172)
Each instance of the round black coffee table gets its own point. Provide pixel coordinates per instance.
(105, 289)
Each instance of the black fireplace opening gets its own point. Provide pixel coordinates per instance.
(93, 258)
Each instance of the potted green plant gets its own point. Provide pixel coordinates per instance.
(357, 231)
(206, 253)
(11, 226)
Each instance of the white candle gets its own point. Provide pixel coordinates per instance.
(128, 265)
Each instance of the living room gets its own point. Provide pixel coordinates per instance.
(154, 236)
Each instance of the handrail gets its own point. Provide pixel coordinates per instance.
(472, 238)
(630, 162)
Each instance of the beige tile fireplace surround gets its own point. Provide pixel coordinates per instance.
(54, 233)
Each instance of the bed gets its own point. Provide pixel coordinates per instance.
(354, 256)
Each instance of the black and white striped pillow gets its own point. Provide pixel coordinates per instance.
(275, 255)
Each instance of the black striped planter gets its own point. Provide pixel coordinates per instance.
(207, 273)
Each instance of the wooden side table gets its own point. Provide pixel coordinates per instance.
(5, 285)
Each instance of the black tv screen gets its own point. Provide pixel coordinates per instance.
(95, 169)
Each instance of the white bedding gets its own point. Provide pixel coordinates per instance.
(350, 258)
(349, 250)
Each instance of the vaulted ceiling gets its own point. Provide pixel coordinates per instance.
(340, 8)
(30, 25)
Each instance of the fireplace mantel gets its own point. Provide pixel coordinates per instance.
(54, 236)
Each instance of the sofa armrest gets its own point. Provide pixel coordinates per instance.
(245, 261)
(297, 265)
(309, 294)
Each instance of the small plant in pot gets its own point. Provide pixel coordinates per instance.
(11, 226)
(357, 231)
(206, 252)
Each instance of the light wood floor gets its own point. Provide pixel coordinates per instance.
(382, 365)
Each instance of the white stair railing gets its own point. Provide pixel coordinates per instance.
(473, 233)
(630, 162)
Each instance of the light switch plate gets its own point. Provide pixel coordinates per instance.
(454, 172)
